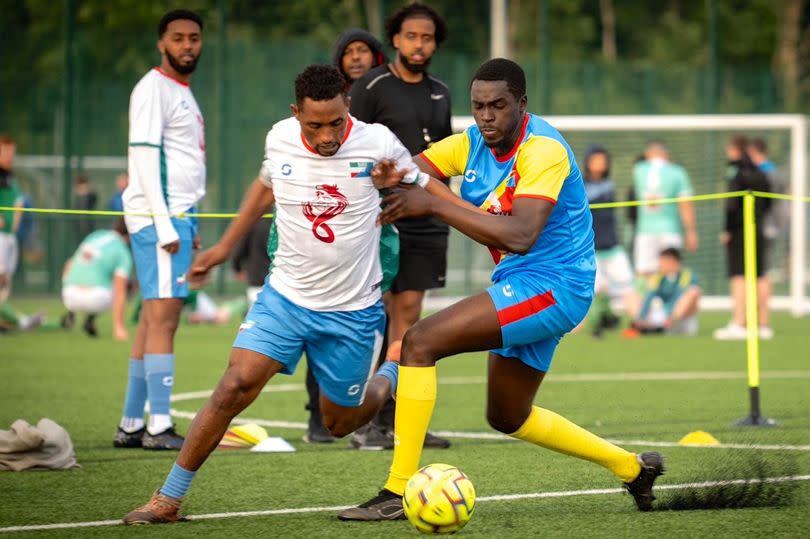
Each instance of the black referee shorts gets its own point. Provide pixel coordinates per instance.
(422, 262)
(735, 253)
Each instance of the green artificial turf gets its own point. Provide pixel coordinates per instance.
(79, 383)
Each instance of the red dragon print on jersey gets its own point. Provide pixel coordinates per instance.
(330, 202)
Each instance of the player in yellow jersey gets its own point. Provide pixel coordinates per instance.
(527, 203)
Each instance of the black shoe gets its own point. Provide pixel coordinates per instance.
(89, 326)
(435, 442)
(317, 433)
(372, 438)
(67, 321)
(384, 506)
(168, 440)
(610, 321)
(652, 465)
(129, 439)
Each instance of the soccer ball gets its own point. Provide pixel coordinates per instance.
(439, 498)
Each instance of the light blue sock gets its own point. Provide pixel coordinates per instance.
(159, 380)
(390, 370)
(177, 482)
(136, 390)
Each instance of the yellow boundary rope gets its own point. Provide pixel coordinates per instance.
(749, 233)
(603, 205)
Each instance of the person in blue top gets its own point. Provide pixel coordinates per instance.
(526, 201)
(614, 275)
(116, 202)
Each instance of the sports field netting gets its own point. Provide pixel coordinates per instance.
(699, 151)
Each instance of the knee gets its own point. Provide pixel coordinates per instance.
(233, 390)
(162, 324)
(417, 348)
(505, 422)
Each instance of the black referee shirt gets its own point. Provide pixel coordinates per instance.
(417, 113)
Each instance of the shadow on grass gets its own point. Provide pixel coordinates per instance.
(743, 481)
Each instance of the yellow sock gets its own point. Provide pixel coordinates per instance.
(416, 395)
(552, 431)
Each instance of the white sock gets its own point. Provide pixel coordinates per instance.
(159, 423)
(131, 424)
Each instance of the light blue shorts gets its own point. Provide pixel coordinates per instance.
(535, 312)
(341, 346)
(160, 274)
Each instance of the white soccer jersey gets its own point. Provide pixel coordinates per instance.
(326, 214)
(166, 153)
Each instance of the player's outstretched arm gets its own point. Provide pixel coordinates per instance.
(515, 233)
(257, 201)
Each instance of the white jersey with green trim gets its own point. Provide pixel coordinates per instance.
(166, 153)
(328, 255)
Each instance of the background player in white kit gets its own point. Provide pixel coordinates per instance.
(167, 178)
(322, 296)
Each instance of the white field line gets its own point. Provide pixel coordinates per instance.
(585, 377)
(503, 437)
(496, 498)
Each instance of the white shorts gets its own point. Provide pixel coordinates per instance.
(614, 276)
(8, 262)
(648, 247)
(657, 315)
(8, 253)
(87, 299)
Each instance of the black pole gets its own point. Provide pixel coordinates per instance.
(755, 417)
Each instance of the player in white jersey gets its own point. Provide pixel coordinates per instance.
(166, 179)
(322, 296)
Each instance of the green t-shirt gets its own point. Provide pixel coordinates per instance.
(9, 197)
(654, 180)
(389, 253)
(102, 255)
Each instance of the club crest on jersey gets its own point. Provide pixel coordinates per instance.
(329, 202)
(360, 169)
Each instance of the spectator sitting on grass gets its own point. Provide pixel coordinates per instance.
(671, 305)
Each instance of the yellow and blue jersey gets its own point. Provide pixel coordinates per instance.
(541, 165)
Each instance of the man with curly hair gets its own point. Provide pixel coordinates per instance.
(322, 296)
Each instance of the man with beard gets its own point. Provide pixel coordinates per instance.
(415, 105)
(167, 179)
(322, 296)
(356, 51)
(525, 201)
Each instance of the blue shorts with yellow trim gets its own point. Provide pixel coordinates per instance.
(341, 346)
(535, 311)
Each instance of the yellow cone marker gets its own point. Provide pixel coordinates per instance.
(252, 433)
(699, 437)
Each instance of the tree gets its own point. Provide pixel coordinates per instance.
(608, 14)
(787, 52)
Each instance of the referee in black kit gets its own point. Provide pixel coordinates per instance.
(415, 105)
